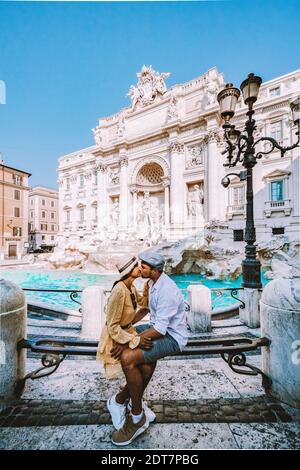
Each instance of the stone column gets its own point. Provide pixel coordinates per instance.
(88, 209)
(250, 314)
(101, 208)
(215, 206)
(93, 315)
(166, 185)
(177, 188)
(74, 211)
(134, 205)
(199, 314)
(13, 317)
(61, 214)
(123, 191)
(280, 323)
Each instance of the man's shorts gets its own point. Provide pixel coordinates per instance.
(161, 347)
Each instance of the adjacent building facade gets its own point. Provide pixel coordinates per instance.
(43, 218)
(155, 169)
(13, 212)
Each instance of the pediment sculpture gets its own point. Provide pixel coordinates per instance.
(151, 84)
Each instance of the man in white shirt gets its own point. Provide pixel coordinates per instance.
(168, 332)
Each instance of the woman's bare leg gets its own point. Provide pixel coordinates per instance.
(147, 371)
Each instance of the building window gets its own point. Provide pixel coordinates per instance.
(278, 231)
(17, 212)
(17, 179)
(68, 184)
(52, 237)
(81, 180)
(238, 196)
(30, 227)
(31, 202)
(277, 190)
(274, 91)
(43, 226)
(52, 203)
(95, 176)
(17, 195)
(43, 215)
(68, 216)
(43, 202)
(52, 228)
(52, 215)
(31, 214)
(17, 231)
(238, 235)
(43, 237)
(276, 131)
(81, 215)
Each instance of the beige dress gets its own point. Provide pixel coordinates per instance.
(118, 328)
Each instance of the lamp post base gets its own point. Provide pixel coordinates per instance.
(251, 274)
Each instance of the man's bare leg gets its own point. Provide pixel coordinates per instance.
(147, 371)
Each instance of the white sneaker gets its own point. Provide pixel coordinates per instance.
(148, 412)
(117, 412)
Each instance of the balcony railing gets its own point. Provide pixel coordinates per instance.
(283, 205)
(67, 225)
(236, 209)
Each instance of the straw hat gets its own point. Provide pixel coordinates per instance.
(126, 265)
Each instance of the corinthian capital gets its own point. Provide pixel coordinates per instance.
(101, 167)
(177, 147)
(123, 160)
(214, 136)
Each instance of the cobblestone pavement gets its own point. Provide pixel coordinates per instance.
(87, 412)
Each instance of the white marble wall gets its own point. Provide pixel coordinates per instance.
(178, 129)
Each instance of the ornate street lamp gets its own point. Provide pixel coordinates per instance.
(241, 149)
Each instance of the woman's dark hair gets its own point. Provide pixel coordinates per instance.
(124, 277)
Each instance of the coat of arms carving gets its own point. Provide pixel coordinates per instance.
(150, 85)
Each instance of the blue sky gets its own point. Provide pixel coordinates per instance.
(66, 64)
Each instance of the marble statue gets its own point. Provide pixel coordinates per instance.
(97, 135)
(172, 109)
(121, 126)
(195, 202)
(115, 213)
(148, 218)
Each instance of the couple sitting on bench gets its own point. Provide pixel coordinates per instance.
(135, 350)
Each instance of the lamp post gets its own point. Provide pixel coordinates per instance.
(241, 149)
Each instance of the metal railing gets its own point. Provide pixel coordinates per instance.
(74, 293)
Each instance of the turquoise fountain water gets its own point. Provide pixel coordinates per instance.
(78, 281)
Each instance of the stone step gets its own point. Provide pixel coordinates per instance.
(27, 413)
